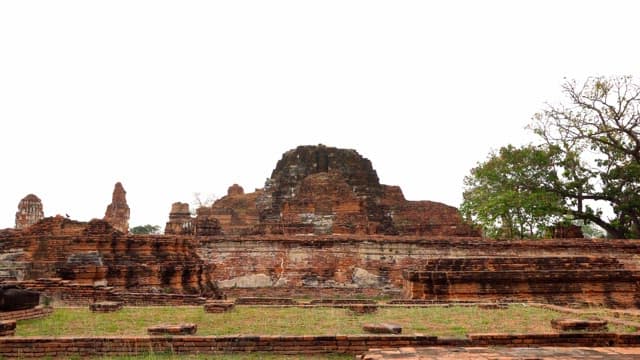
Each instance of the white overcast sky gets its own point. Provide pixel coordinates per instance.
(177, 97)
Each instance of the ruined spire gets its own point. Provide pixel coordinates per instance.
(117, 213)
(29, 211)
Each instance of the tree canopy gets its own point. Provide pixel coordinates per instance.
(589, 156)
(504, 193)
(145, 229)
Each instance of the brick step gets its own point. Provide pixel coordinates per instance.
(448, 277)
(521, 263)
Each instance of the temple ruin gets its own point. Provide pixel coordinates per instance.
(117, 213)
(323, 225)
(325, 190)
(29, 212)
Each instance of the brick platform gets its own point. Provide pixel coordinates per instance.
(155, 299)
(552, 279)
(312, 266)
(35, 313)
(23, 347)
(579, 324)
(265, 301)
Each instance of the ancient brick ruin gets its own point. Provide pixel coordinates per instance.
(95, 253)
(551, 279)
(237, 212)
(324, 190)
(29, 212)
(180, 221)
(323, 226)
(117, 213)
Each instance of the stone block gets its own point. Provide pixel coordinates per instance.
(218, 306)
(382, 328)
(579, 324)
(179, 329)
(105, 306)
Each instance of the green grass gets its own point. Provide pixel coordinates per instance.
(452, 321)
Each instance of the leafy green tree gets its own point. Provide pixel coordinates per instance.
(145, 229)
(597, 132)
(504, 195)
(589, 157)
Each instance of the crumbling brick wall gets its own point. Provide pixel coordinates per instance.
(551, 279)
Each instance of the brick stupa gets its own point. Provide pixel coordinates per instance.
(326, 190)
(117, 213)
(29, 212)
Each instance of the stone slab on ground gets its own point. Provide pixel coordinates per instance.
(167, 329)
(105, 306)
(218, 306)
(510, 353)
(382, 328)
(579, 324)
(7, 327)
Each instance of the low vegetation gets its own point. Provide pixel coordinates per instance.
(441, 321)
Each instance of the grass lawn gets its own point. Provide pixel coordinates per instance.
(440, 321)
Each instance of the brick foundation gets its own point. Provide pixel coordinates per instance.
(552, 279)
(579, 324)
(153, 299)
(73, 294)
(35, 313)
(304, 344)
(265, 301)
(346, 266)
